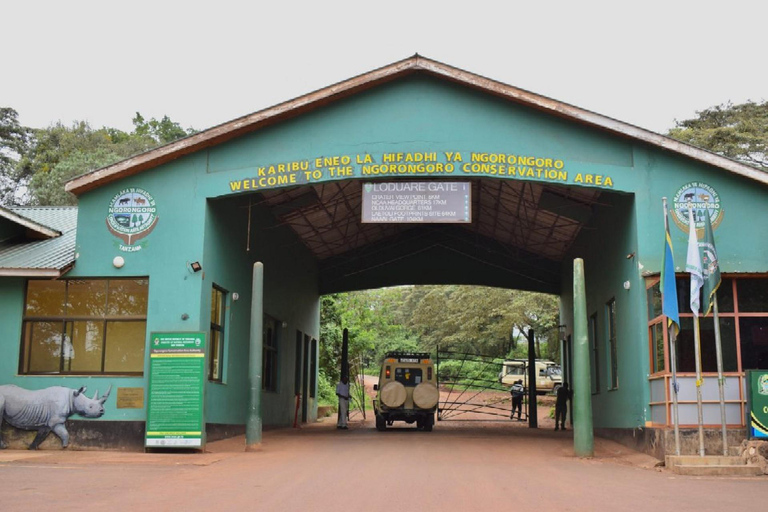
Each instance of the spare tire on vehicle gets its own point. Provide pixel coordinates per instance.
(393, 394)
(425, 395)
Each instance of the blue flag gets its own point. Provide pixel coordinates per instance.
(668, 285)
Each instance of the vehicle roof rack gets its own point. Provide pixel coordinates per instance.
(402, 353)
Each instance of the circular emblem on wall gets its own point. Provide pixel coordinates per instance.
(702, 198)
(762, 384)
(132, 215)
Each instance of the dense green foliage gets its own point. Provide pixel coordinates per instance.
(14, 141)
(39, 162)
(739, 131)
(467, 319)
(326, 391)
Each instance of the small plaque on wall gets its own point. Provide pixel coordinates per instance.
(130, 398)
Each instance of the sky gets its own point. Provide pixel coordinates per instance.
(202, 64)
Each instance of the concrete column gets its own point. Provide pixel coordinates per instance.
(583, 436)
(253, 421)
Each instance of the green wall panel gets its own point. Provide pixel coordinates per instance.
(414, 117)
(604, 246)
(290, 288)
(741, 237)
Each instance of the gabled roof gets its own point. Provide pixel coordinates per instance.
(51, 253)
(416, 64)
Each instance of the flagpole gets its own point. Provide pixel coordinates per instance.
(693, 265)
(673, 363)
(672, 338)
(711, 273)
(699, 407)
(720, 379)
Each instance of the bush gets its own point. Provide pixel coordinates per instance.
(326, 390)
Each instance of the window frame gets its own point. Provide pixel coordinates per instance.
(270, 354)
(67, 325)
(735, 313)
(612, 340)
(313, 368)
(221, 330)
(595, 340)
(730, 311)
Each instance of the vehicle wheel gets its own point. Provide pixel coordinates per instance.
(420, 424)
(429, 421)
(381, 423)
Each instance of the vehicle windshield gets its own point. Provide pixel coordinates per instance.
(514, 370)
(554, 370)
(408, 376)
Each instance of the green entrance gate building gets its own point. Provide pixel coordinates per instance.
(167, 241)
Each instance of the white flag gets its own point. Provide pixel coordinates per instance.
(693, 263)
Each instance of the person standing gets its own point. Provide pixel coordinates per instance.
(561, 406)
(342, 391)
(517, 391)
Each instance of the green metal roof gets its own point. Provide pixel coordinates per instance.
(48, 247)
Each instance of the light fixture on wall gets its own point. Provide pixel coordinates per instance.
(562, 330)
(193, 267)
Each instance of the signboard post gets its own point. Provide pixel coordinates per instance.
(757, 395)
(176, 381)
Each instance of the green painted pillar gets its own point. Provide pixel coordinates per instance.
(253, 421)
(583, 437)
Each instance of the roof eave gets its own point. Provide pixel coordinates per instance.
(52, 273)
(29, 224)
(256, 120)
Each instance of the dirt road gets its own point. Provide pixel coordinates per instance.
(460, 466)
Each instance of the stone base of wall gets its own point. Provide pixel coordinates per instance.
(659, 442)
(755, 453)
(217, 431)
(104, 435)
(83, 435)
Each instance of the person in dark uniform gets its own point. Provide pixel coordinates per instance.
(561, 406)
(517, 391)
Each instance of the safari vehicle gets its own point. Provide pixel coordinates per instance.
(549, 376)
(407, 391)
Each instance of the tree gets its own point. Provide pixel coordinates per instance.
(376, 325)
(487, 321)
(14, 141)
(162, 131)
(330, 336)
(739, 132)
(47, 188)
(473, 319)
(59, 153)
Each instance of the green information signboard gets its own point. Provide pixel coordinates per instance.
(176, 381)
(757, 386)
